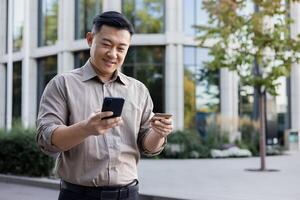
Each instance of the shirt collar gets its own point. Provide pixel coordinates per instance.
(89, 73)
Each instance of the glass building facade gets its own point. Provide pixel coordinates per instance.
(163, 55)
(146, 16)
(17, 90)
(18, 25)
(201, 89)
(47, 22)
(46, 70)
(85, 10)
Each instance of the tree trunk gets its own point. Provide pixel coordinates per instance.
(262, 135)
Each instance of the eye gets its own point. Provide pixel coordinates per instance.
(106, 44)
(121, 49)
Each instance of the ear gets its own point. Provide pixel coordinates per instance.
(89, 38)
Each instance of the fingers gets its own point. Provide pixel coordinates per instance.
(163, 123)
(100, 123)
(104, 114)
(109, 123)
(163, 127)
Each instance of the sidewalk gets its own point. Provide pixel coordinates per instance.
(210, 179)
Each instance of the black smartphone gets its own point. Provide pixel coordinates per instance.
(114, 104)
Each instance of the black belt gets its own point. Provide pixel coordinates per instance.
(113, 192)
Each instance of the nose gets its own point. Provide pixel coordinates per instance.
(112, 53)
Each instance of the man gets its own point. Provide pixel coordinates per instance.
(97, 158)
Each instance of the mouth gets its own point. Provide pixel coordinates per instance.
(109, 62)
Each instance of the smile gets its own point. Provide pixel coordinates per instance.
(110, 62)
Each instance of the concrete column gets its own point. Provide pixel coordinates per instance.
(179, 68)
(295, 73)
(174, 85)
(115, 5)
(174, 103)
(229, 103)
(29, 65)
(3, 26)
(9, 66)
(66, 24)
(3, 38)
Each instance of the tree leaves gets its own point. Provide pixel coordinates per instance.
(239, 40)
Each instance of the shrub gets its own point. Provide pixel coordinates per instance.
(249, 135)
(20, 155)
(189, 143)
(183, 144)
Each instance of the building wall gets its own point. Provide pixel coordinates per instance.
(174, 40)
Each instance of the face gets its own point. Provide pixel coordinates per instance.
(108, 49)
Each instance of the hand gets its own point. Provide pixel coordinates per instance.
(163, 127)
(96, 125)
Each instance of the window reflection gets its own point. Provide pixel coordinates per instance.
(193, 14)
(5, 93)
(147, 65)
(81, 57)
(246, 101)
(85, 11)
(282, 103)
(18, 24)
(6, 30)
(201, 89)
(47, 69)
(17, 90)
(146, 16)
(48, 22)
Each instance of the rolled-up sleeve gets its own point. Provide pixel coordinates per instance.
(53, 113)
(145, 128)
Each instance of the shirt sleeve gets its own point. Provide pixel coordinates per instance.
(53, 113)
(145, 128)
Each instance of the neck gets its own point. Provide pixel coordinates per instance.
(104, 77)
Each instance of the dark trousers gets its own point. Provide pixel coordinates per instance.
(70, 191)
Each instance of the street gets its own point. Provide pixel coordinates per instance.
(200, 179)
(10, 191)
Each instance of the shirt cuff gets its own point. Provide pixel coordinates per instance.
(44, 141)
(149, 153)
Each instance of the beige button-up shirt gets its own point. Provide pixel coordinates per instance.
(109, 159)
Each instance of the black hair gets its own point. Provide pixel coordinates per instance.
(113, 19)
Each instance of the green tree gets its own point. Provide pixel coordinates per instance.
(189, 100)
(257, 45)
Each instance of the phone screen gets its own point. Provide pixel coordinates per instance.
(114, 104)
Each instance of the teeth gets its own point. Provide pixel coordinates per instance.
(110, 62)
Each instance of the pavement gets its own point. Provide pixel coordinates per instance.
(198, 179)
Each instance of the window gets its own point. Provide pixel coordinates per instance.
(6, 30)
(47, 69)
(201, 89)
(193, 14)
(18, 25)
(85, 11)
(246, 101)
(146, 16)
(147, 65)
(17, 91)
(5, 93)
(81, 57)
(47, 22)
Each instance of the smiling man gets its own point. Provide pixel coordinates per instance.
(98, 156)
